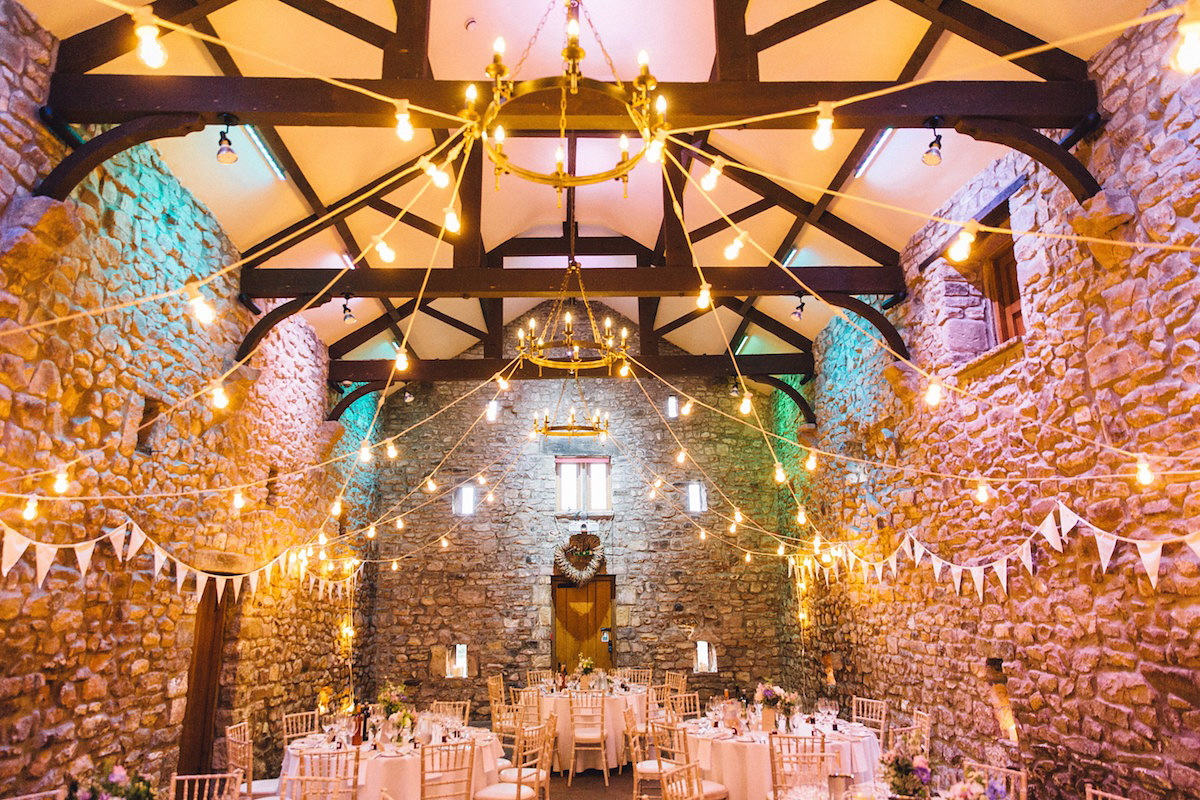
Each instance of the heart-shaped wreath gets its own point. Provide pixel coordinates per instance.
(578, 576)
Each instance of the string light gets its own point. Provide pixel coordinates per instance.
(371, 531)
(686, 410)
(386, 254)
(623, 370)
(709, 181)
(445, 543)
(30, 511)
(779, 550)
(703, 534)
(336, 509)
(364, 453)
(733, 527)
(653, 493)
(481, 479)
(960, 251)
(322, 540)
(745, 406)
(933, 394)
(321, 556)
(737, 515)
(658, 482)
(810, 463)
(704, 299)
(780, 475)
(404, 126)
(395, 566)
(491, 498)
(801, 516)
(201, 309)
(681, 457)
(982, 494)
(734, 248)
(823, 136)
(391, 450)
(145, 27)
(452, 224)
(1145, 476)
(436, 174)
(817, 543)
(502, 382)
(399, 523)
(430, 485)
(1185, 57)
(61, 481)
(747, 556)
(401, 362)
(239, 501)
(219, 398)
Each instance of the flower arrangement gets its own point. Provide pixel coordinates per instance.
(111, 781)
(789, 702)
(769, 695)
(972, 787)
(906, 775)
(585, 666)
(396, 705)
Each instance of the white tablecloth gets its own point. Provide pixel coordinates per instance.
(614, 726)
(401, 774)
(745, 766)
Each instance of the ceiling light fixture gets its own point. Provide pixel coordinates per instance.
(225, 151)
(734, 248)
(348, 315)
(823, 136)
(709, 181)
(880, 141)
(404, 126)
(704, 299)
(386, 254)
(1185, 56)
(145, 27)
(960, 251)
(567, 348)
(933, 156)
(265, 152)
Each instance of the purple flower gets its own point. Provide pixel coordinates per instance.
(922, 774)
(118, 776)
(86, 794)
(996, 790)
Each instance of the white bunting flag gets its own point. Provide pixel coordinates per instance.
(834, 567)
(253, 581)
(43, 555)
(866, 569)
(1105, 544)
(1068, 518)
(956, 577)
(937, 566)
(1151, 553)
(919, 552)
(977, 579)
(236, 582)
(14, 547)
(892, 563)
(1000, 567)
(201, 582)
(117, 537)
(83, 556)
(267, 572)
(1025, 553)
(906, 546)
(879, 572)
(1049, 530)
(181, 573)
(1193, 542)
(221, 580)
(160, 558)
(825, 570)
(136, 538)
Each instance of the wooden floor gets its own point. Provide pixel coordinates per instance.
(590, 786)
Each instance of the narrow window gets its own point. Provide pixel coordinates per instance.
(456, 661)
(151, 411)
(584, 484)
(493, 410)
(706, 657)
(697, 497)
(1004, 292)
(672, 406)
(465, 500)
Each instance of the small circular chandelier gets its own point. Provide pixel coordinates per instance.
(596, 425)
(560, 345)
(648, 120)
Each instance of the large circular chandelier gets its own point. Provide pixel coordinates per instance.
(566, 343)
(648, 121)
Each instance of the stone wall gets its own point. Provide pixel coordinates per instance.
(1077, 675)
(97, 667)
(491, 588)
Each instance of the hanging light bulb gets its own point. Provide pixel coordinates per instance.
(348, 315)
(386, 254)
(430, 485)
(653, 493)
(61, 482)
(225, 152)
(1145, 476)
(391, 450)
(658, 482)
(704, 299)
(445, 543)
(30, 511)
(655, 149)
(321, 556)
(451, 221)
(623, 370)
(490, 498)
(437, 176)
(734, 248)
(399, 523)
(239, 501)
(933, 156)
(780, 475)
(746, 406)
(203, 312)
(145, 27)
(747, 556)
(1185, 57)
(322, 540)
(681, 457)
(395, 566)
(801, 516)
(933, 394)
(737, 515)
(371, 531)
(364, 453)
(810, 463)
(733, 527)
(982, 494)
(401, 359)
(404, 126)
(823, 136)
(817, 543)
(703, 534)
(219, 398)
(686, 409)
(336, 509)
(779, 550)
(960, 251)
(502, 382)
(709, 181)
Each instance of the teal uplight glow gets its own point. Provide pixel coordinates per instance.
(267, 155)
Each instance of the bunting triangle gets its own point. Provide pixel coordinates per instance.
(919, 552)
(83, 556)
(977, 579)
(906, 546)
(1105, 544)
(879, 572)
(1000, 567)
(236, 583)
(14, 546)
(201, 581)
(1050, 530)
(160, 558)
(1025, 553)
(892, 563)
(866, 569)
(1193, 542)
(221, 580)
(1151, 553)
(825, 570)
(181, 573)
(43, 555)
(253, 576)
(937, 566)
(136, 538)
(956, 577)
(1068, 518)
(267, 571)
(117, 537)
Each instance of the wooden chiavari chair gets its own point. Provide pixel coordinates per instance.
(644, 768)
(530, 700)
(872, 714)
(340, 765)
(682, 783)
(459, 709)
(676, 682)
(531, 760)
(799, 761)
(536, 677)
(587, 729)
(217, 786)
(921, 729)
(1014, 781)
(645, 677)
(299, 724)
(671, 750)
(448, 770)
(308, 787)
(684, 706)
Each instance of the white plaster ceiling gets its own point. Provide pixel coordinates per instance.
(871, 43)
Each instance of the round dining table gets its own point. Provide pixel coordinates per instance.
(743, 762)
(398, 769)
(615, 703)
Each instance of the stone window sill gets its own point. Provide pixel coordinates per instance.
(992, 361)
(571, 515)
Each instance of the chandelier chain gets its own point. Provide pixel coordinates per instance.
(533, 39)
(595, 32)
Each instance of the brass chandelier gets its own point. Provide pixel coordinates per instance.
(569, 344)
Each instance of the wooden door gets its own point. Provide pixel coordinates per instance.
(583, 616)
(200, 713)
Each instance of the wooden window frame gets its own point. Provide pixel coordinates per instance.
(583, 484)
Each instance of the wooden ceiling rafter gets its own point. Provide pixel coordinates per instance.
(390, 318)
(345, 21)
(788, 336)
(802, 22)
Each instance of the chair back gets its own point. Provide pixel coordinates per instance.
(637, 747)
(587, 710)
(340, 765)
(638, 675)
(50, 794)
(536, 677)
(459, 709)
(656, 701)
(682, 783)
(684, 706)
(920, 730)
(530, 701)
(670, 744)
(447, 770)
(308, 787)
(1096, 794)
(676, 682)
(871, 713)
(798, 761)
(1015, 782)
(527, 752)
(496, 690)
(299, 724)
(239, 751)
(217, 786)
(507, 718)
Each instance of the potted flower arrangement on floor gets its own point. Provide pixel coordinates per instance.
(907, 776)
(110, 781)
